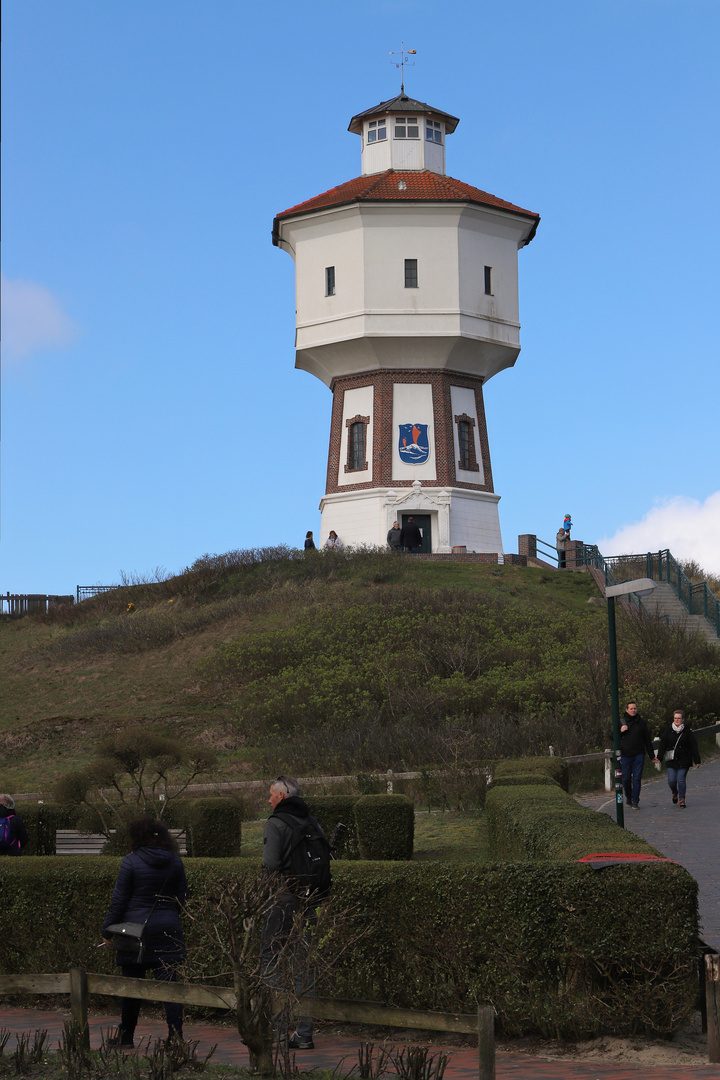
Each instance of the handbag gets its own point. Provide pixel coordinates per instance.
(128, 937)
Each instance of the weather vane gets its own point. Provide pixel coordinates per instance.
(403, 54)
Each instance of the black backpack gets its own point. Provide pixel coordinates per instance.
(309, 858)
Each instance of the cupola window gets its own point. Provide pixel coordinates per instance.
(406, 127)
(433, 131)
(377, 131)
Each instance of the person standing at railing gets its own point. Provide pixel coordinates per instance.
(679, 747)
(561, 542)
(635, 742)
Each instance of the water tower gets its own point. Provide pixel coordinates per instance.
(406, 304)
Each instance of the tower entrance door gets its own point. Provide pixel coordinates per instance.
(423, 522)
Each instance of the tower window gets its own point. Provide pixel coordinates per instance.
(467, 458)
(377, 131)
(411, 278)
(488, 281)
(407, 127)
(433, 131)
(330, 280)
(357, 443)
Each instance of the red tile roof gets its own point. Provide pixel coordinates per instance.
(417, 186)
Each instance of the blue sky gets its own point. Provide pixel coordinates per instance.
(151, 411)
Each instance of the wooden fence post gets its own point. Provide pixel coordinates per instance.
(486, 1042)
(78, 1002)
(712, 1001)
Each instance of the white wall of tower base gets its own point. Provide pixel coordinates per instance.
(458, 516)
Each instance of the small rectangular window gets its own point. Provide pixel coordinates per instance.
(329, 280)
(411, 278)
(407, 127)
(433, 132)
(488, 281)
(376, 131)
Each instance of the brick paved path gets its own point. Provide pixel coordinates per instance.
(332, 1050)
(690, 836)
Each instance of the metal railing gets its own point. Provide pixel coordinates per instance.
(84, 592)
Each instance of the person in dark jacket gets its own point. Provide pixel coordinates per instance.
(679, 747)
(151, 888)
(278, 837)
(410, 536)
(635, 742)
(13, 826)
(309, 542)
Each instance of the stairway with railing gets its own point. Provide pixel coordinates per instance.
(660, 566)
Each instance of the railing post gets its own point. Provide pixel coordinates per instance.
(486, 1042)
(78, 1002)
(712, 1004)
(608, 772)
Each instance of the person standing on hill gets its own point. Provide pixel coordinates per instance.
(561, 542)
(679, 747)
(13, 834)
(411, 537)
(309, 542)
(394, 538)
(635, 742)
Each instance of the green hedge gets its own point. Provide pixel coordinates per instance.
(553, 768)
(214, 828)
(329, 810)
(534, 821)
(385, 826)
(557, 949)
(41, 821)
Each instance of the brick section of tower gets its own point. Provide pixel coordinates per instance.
(383, 434)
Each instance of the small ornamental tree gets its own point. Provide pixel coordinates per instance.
(136, 771)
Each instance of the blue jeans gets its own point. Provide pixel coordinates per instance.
(676, 780)
(632, 768)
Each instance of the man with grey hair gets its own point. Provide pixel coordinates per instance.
(13, 834)
(289, 823)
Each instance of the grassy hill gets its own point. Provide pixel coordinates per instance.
(337, 662)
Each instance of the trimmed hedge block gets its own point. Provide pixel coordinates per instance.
(535, 821)
(331, 809)
(554, 768)
(385, 826)
(214, 829)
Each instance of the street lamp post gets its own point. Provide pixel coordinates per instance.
(641, 587)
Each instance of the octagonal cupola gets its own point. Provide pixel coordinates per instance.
(403, 134)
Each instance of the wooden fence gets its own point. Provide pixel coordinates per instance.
(79, 984)
(30, 603)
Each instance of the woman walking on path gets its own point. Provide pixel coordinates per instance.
(679, 747)
(151, 888)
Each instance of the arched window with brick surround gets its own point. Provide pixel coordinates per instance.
(467, 458)
(356, 443)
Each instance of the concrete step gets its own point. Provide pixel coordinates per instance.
(664, 601)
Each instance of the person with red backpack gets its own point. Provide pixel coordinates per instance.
(13, 834)
(294, 850)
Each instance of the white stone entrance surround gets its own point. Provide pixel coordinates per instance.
(459, 517)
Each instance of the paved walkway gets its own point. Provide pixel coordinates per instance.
(331, 1050)
(690, 836)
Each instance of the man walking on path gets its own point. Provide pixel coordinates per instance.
(635, 742)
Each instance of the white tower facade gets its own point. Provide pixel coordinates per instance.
(407, 302)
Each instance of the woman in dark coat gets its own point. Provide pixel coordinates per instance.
(151, 887)
(679, 747)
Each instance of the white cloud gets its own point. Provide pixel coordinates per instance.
(32, 319)
(690, 529)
